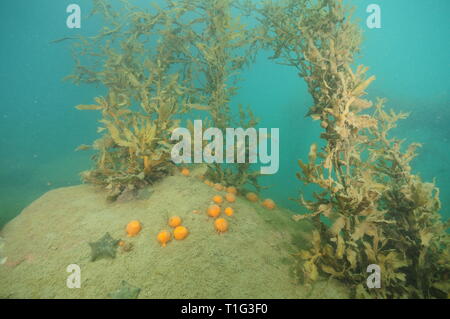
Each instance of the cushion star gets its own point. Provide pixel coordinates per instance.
(125, 291)
(105, 247)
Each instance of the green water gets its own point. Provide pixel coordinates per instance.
(40, 129)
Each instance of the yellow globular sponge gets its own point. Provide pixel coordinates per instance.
(218, 199)
(133, 228)
(269, 204)
(163, 237)
(208, 182)
(180, 233)
(252, 197)
(185, 172)
(174, 221)
(229, 211)
(221, 225)
(214, 211)
(231, 198)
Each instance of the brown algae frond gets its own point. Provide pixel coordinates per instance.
(158, 65)
(372, 209)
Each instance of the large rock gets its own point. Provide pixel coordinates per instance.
(254, 259)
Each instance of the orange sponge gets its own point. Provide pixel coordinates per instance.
(214, 211)
(185, 172)
(231, 198)
(229, 211)
(252, 197)
(163, 237)
(133, 228)
(221, 225)
(217, 199)
(208, 182)
(269, 204)
(174, 221)
(180, 233)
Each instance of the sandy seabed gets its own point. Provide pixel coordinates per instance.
(254, 259)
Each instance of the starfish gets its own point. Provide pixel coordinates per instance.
(105, 247)
(125, 291)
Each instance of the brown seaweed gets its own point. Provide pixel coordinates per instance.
(169, 61)
(372, 208)
(223, 46)
(134, 149)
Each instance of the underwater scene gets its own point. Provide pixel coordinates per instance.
(225, 149)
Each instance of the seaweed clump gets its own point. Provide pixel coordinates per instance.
(157, 66)
(141, 58)
(371, 208)
(222, 47)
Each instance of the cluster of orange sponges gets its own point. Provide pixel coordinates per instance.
(231, 196)
(179, 232)
(220, 224)
(215, 209)
(267, 203)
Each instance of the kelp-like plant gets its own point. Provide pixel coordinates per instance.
(371, 208)
(141, 59)
(222, 47)
(170, 60)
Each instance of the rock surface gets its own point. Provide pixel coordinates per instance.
(254, 259)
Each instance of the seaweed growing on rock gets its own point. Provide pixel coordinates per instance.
(222, 48)
(372, 209)
(169, 61)
(141, 58)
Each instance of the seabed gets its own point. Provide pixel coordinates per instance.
(254, 259)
